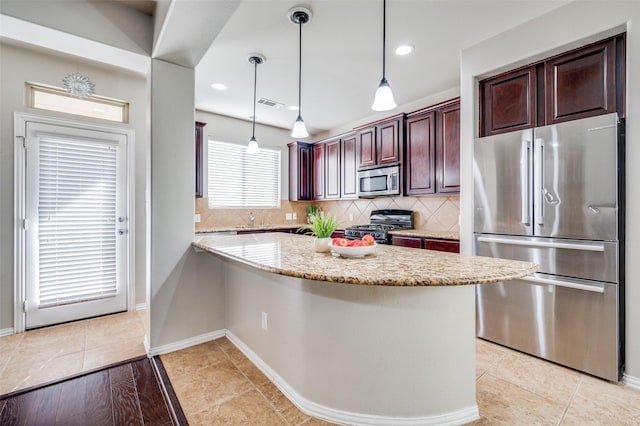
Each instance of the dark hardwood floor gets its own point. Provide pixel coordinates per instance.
(132, 393)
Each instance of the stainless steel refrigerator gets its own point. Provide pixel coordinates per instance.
(554, 195)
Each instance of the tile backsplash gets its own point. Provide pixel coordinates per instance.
(433, 213)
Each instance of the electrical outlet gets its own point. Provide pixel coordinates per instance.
(288, 216)
(196, 218)
(350, 217)
(265, 321)
(295, 216)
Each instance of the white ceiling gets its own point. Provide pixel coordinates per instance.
(342, 54)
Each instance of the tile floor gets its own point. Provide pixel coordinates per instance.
(47, 354)
(216, 384)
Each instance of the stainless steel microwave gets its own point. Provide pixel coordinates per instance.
(379, 181)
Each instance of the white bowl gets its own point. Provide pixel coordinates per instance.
(352, 251)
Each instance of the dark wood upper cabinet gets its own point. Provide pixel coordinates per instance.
(448, 149)
(388, 136)
(581, 84)
(349, 166)
(432, 150)
(318, 171)
(366, 147)
(420, 156)
(199, 133)
(509, 101)
(332, 169)
(380, 142)
(300, 173)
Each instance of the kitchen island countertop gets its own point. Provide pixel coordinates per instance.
(293, 255)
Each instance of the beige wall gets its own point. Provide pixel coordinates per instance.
(574, 24)
(19, 65)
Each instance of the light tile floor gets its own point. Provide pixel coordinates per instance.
(47, 354)
(216, 384)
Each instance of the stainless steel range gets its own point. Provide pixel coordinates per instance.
(382, 221)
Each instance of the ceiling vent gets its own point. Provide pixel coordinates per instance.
(270, 103)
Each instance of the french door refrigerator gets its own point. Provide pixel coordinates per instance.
(554, 195)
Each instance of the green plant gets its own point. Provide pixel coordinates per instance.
(323, 225)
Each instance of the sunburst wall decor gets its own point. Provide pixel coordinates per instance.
(78, 85)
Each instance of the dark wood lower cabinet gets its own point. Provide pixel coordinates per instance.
(451, 246)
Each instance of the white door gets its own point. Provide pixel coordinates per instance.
(76, 224)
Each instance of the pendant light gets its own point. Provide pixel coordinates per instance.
(255, 59)
(384, 97)
(299, 15)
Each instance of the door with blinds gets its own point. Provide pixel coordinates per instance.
(76, 224)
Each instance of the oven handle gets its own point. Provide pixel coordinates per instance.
(561, 283)
(569, 246)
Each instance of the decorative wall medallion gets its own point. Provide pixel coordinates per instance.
(78, 85)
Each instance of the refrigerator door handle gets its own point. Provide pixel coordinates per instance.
(561, 283)
(526, 183)
(539, 180)
(569, 246)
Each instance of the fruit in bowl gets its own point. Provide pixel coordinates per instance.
(353, 248)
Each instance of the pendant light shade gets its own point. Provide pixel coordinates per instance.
(383, 100)
(255, 59)
(299, 15)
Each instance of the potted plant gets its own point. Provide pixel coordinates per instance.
(322, 227)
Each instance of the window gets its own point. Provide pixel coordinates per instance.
(54, 99)
(238, 179)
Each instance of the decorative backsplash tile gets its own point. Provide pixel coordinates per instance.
(434, 213)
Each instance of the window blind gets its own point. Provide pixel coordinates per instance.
(76, 221)
(238, 179)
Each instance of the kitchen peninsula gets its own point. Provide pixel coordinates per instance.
(384, 339)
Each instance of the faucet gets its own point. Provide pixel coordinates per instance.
(251, 219)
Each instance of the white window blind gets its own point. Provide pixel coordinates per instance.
(238, 179)
(76, 221)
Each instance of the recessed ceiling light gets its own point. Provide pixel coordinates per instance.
(219, 86)
(404, 49)
(293, 107)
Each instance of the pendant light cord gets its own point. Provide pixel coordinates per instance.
(300, 69)
(384, 37)
(255, 82)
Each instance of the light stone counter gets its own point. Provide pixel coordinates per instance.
(208, 229)
(293, 255)
(424, 233)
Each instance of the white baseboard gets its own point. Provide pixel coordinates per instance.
(6, 331)
(141, 306)
(631, 381)
(182, 344)
(311, 408)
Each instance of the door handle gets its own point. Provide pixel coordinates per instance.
(543, 244)
(539, 179)
(526, 185)
(558, 283)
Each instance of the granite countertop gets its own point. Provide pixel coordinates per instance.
(424, 233)
(208, 229)
(293, 255)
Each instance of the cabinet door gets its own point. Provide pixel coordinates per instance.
(300, 174)
(367, 147)
(420, 154)
(442, 245)
(508, 102)
(318, 171)
(388, 137)
(332, 169)
(413, 242)
(349, 165)
(448, 149)
(581, 83)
